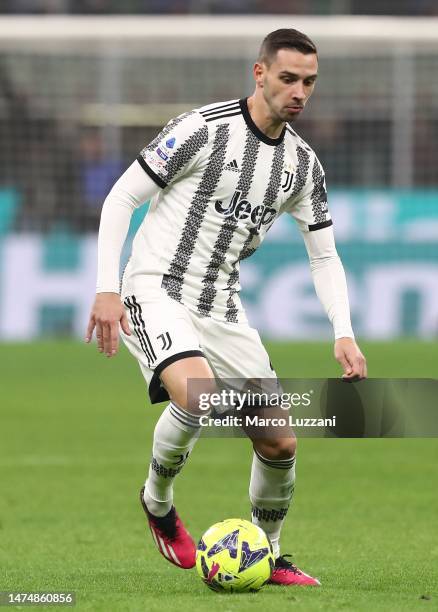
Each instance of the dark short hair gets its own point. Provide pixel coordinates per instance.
(285, 38)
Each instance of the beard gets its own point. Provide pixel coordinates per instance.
(280, 115)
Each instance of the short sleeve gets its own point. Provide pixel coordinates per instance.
(308, 206)
(176, 149)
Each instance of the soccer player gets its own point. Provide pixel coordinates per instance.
(217, 177)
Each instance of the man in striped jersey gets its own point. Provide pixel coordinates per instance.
(217, 177)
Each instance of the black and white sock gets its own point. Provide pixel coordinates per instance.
(270, 491)
(175, 435)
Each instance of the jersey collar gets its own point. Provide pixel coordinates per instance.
(255, 130)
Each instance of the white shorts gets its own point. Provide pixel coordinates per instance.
(164, 331)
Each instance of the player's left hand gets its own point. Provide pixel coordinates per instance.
(349, 355)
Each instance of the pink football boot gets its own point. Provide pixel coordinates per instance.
(286, 573)
(171, 537)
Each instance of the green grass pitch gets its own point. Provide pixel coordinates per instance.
(75, 441)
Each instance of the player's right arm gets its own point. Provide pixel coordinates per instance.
(132, 189)
(176, 150)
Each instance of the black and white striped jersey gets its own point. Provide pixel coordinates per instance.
(223, 183)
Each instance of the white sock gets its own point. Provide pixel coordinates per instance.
(270, 491)
(175, 435)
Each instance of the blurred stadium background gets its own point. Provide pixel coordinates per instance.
(82, 89)
(81, 95)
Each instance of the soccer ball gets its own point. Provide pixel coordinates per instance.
(234, 555)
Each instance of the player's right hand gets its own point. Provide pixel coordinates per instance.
(106, 314)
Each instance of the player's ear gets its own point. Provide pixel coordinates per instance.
(258, 72)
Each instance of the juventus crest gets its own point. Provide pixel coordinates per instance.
(288, 178)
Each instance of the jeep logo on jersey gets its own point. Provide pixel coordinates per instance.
(241, 209)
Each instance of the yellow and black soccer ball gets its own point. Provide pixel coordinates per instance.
(235, 556)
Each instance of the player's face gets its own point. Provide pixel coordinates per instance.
(288, 83)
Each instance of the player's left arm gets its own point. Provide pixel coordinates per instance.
(311, 213)
(331, 288)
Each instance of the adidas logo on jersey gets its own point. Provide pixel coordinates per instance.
(232, 165)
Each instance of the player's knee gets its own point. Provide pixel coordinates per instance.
(279, 448)
(194, 396)
(188, 381)
(199, 396)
